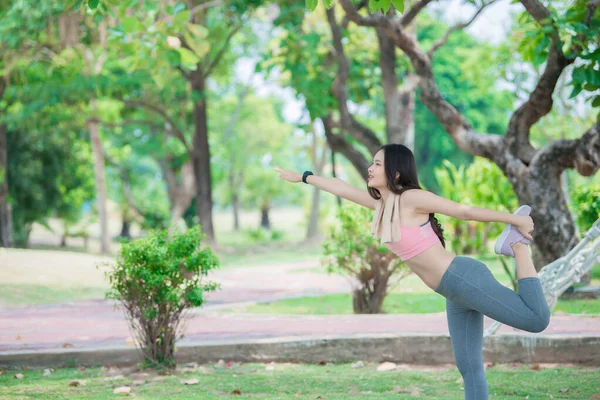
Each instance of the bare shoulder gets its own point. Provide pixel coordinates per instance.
(412, 197)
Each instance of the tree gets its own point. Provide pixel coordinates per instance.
(194, 41)
(562, 37)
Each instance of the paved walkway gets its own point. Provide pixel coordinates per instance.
(98, 323)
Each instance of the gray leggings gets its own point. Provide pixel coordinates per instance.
(471, 291)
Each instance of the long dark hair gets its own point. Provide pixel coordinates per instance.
(398, 158)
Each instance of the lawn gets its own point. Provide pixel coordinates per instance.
(395, 303)
(293, 381)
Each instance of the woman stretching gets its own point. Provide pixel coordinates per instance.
(405, 222)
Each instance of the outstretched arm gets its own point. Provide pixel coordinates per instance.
(335, 186)
(426, 202)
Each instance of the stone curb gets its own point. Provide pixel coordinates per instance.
(410, 349)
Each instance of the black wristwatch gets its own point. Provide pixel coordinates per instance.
(305, 175)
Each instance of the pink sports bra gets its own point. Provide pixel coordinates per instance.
(414, 241)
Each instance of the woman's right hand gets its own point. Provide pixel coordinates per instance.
(288, 175)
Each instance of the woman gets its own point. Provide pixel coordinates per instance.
(405, 222)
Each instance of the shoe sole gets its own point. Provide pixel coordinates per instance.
(506, 231)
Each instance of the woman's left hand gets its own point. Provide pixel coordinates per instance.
(526, 227)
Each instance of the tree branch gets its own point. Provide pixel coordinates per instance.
(540, 100)
(538, 11)
(581, 154)
(372, 20)
(128, 122)
(456, 27)
(348, 123)
(172, 128)
(591, 9)
(222, 50)
(204, 6)
(126, 183)
(339, 144)
(454, 123)
(410, 15)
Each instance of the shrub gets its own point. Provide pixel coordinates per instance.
(482, 184)
(586, 204)
(157, 278)
(350, 249)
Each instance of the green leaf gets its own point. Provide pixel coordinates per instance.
(579, 75)
(179, 7)
(328, 4)
(379, 5)
(130, 24)
(200, 47)
(182, 17)
(198, 31)
(592, 76)
(398, 5)
(173, 57)
(187, 56)
(311, 5)
(93, 4)
(596, 101)
(576, 90)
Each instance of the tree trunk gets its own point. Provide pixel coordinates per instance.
(265, 222)
(125, 227)
(555, 230)
(235, 198)
(180, 193)
(339, 144)
(399, 104)
(201, 156)
(313, 222)
(94, 128)
(407, 112)
(68, 28)
(339, 199)
(318, 161)
(365, 302)
(6, 237)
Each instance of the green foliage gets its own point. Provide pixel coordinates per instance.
(49, 173)
(482, 184)
(261, 235)
(576, 39)
(157, 278)
(586, 203)
(351, 250)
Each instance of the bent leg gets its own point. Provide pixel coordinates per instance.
(526, 310)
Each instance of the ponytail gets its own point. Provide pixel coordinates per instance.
(437, 228)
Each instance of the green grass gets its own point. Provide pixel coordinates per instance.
(268, 254)
(293, 381)
(395, 303)
(27, 294)
(587, 306)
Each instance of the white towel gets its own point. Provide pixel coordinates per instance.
(386, 220)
